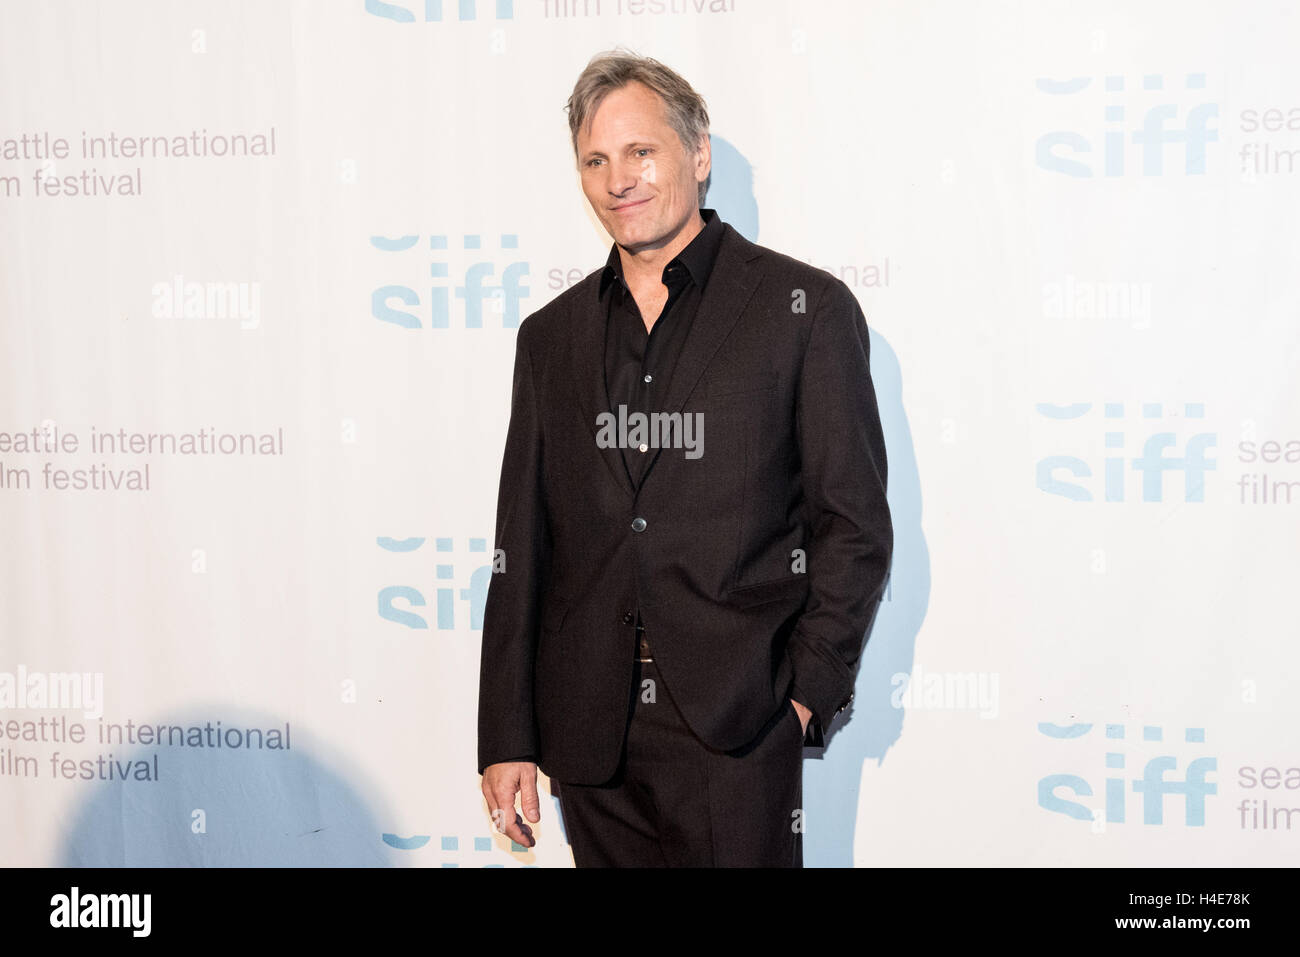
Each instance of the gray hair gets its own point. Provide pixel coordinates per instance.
(615, 69)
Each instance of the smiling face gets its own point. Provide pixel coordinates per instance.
(640, 180)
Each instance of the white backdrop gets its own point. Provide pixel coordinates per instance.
(316, 225)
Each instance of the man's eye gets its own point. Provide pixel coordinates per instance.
(592, 162)
(644, 149)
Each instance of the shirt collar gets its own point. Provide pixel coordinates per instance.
(698, 256)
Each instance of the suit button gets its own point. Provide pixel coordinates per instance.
(629, 618)
(638, 524)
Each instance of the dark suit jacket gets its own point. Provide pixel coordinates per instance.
(793, 459)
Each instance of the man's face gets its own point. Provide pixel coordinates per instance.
(638, 177)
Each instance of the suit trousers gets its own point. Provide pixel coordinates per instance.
(675, 802)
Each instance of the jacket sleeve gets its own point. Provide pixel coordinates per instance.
(844, 471)
(507, 729)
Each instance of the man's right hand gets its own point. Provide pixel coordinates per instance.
(501, 782)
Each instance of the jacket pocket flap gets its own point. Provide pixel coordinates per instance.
(795, 586)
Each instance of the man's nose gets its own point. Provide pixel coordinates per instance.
(624, 176)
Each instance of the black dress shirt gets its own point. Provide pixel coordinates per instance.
(638, 365)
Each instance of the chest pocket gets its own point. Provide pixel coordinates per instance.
(733, 384)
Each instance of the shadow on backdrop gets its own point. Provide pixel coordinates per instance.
(259, 808)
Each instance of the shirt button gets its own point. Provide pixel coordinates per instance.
(648, 377)
(643, 447)
(638, 524)
(629, 618)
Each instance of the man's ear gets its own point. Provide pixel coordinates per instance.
(704, 159)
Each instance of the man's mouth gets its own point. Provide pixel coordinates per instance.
(626, 206)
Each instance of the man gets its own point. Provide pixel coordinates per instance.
(683, 602)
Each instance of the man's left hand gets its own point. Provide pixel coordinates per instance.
(804, 714)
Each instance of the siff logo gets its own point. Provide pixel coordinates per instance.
(1152, 785)
(1123, 133)
(1152, 464)
(503, 300)
(474, 596)
(466, 10)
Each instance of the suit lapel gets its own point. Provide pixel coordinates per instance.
(730, 286)
(588, 357)
(727, 292)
